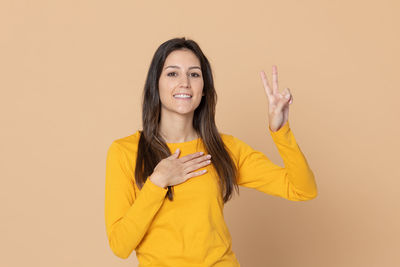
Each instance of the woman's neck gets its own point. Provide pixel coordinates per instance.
(178, 130)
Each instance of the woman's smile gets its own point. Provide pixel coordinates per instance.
(182, 97)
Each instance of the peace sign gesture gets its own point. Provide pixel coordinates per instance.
(278, 108)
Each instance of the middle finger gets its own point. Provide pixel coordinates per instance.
(274, 78)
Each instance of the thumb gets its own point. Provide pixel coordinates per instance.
(287, 94)
(286, 98)
(176, 153)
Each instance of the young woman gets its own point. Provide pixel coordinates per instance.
(167, 184)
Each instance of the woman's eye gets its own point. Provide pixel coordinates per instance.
(193, 74)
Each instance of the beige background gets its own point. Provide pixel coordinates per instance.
(72, 73)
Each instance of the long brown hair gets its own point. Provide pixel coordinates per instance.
(152, 147)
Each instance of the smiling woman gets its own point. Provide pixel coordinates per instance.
(163, 196)
(181, 89)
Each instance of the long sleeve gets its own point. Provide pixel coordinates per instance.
(128, 214)
(293, 182)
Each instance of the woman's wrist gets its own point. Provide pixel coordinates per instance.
(157, 180)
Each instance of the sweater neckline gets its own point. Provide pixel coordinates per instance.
(187, 143)
(183, 144)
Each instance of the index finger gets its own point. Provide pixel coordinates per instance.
(268, 90)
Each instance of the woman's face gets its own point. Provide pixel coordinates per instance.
(181, 74)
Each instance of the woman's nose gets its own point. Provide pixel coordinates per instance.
(185, 80)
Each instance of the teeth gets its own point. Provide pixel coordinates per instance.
(182, 96)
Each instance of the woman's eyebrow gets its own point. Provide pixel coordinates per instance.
(177, 67)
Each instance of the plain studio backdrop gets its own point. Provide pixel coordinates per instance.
(71, 79)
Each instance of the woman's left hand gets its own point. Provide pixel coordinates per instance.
(278, 109)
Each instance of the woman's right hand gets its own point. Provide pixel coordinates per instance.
(173, 170)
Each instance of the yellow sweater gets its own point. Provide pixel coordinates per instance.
(190, 230)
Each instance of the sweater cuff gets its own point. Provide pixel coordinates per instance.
(153, 187)
(281, 131)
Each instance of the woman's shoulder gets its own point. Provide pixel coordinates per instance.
(127, 143)
(226, 137)
(230, 139)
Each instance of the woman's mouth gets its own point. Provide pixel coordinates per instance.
(183, 96)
